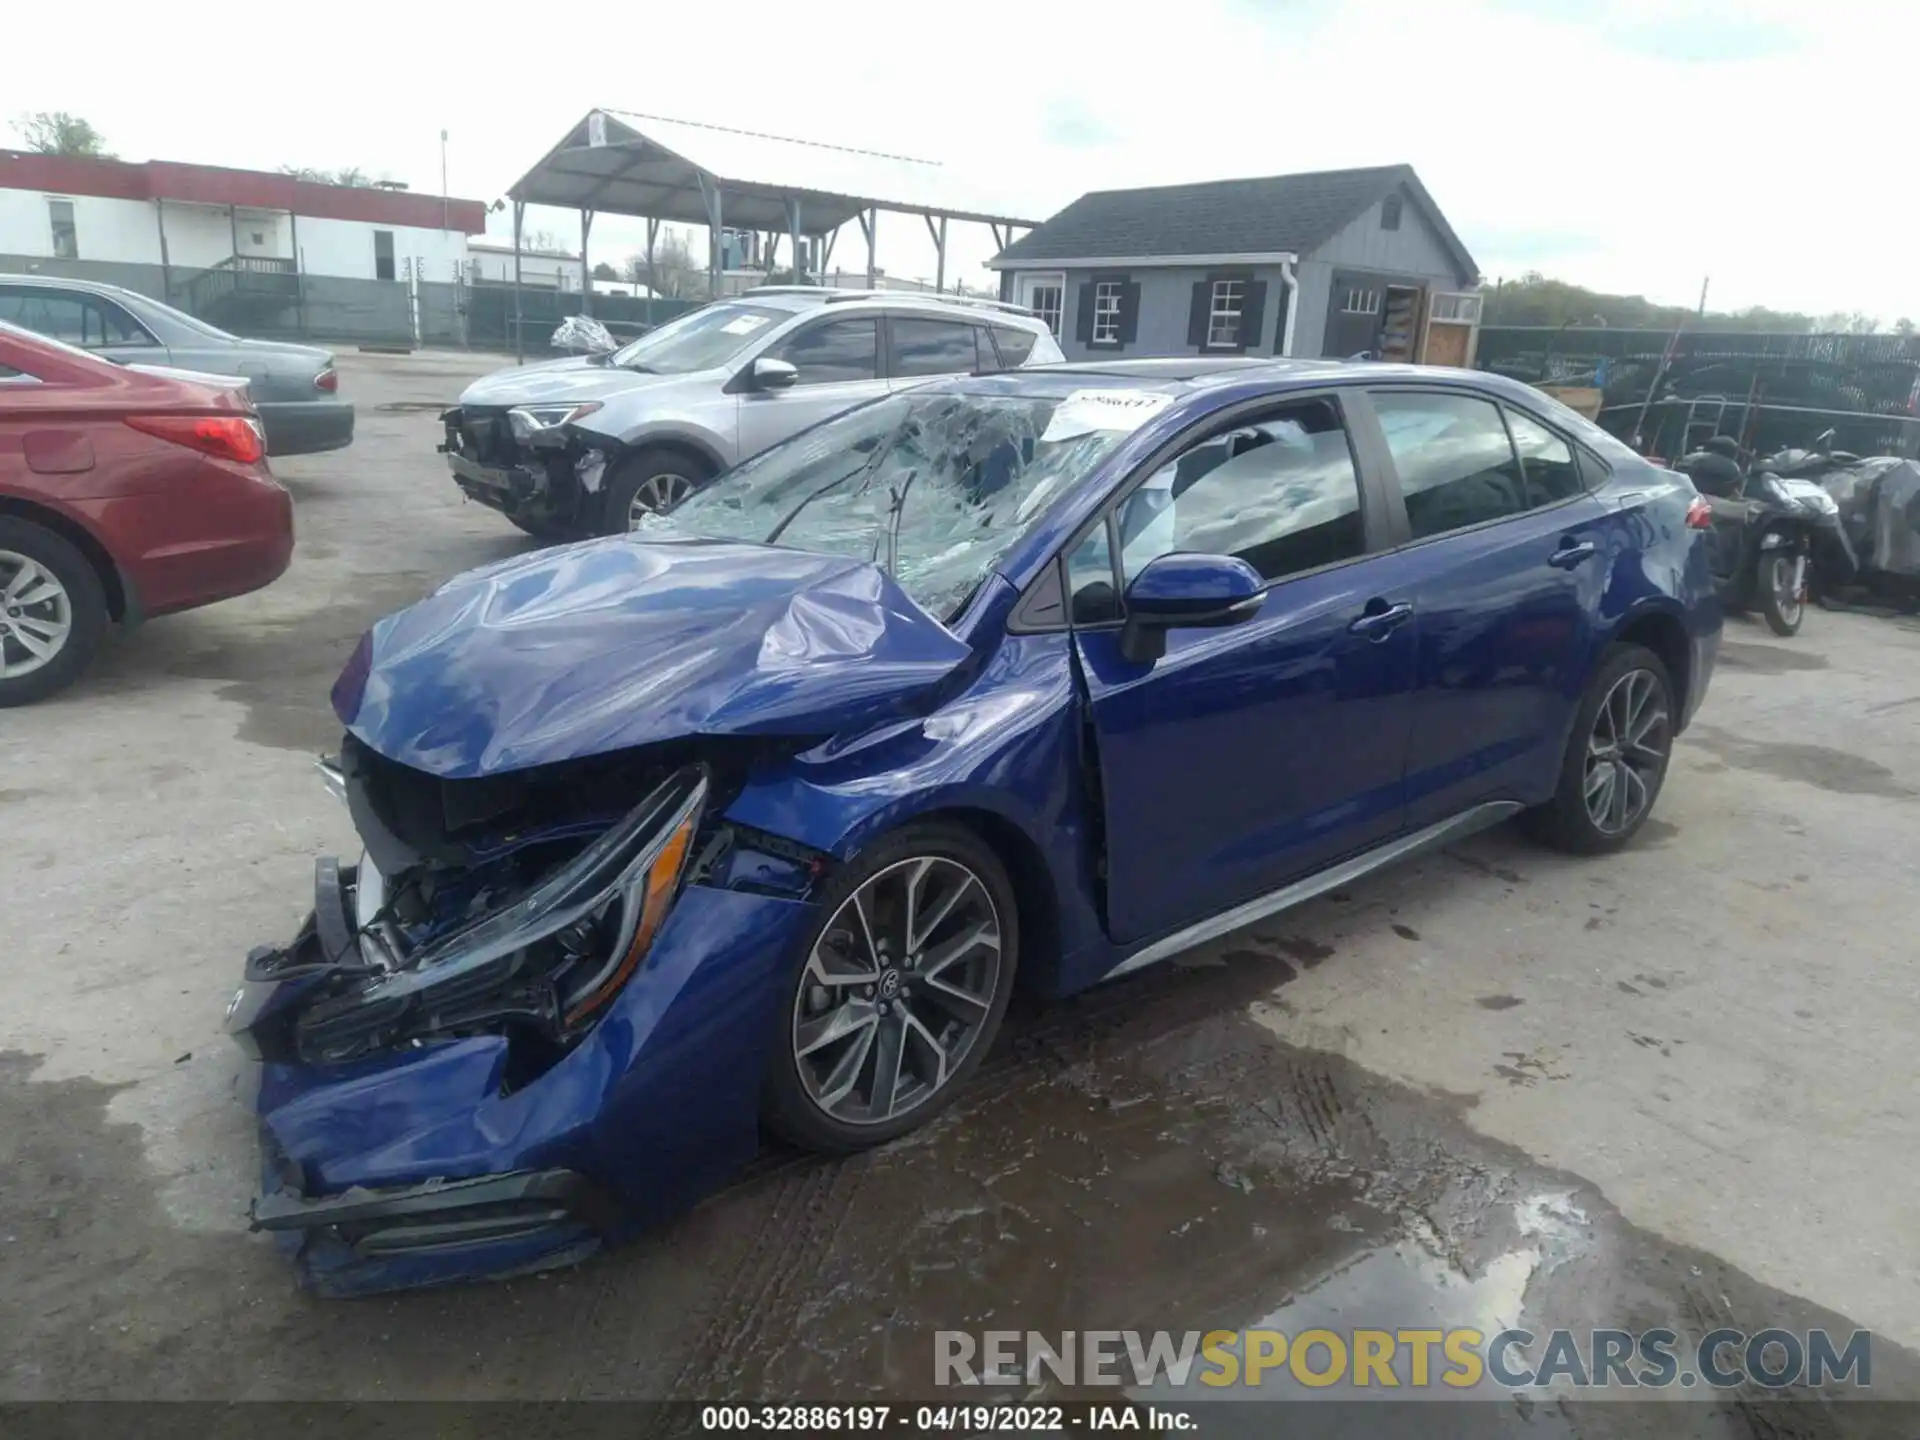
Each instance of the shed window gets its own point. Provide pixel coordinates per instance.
(1361, 301)
(1106, 312)
(1223, 316)
(1390, 213)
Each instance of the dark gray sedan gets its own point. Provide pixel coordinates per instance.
(294, 387)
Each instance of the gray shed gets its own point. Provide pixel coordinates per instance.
(1332, 263)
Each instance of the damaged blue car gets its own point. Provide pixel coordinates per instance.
(753, 820)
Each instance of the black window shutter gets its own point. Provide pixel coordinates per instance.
(1253, 314)
(1198, 313)
(1083, 322)
(1129, 311)
(1280, 318)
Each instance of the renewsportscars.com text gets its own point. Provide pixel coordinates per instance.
(1412, 1359)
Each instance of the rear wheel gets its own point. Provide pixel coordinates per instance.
(52, 612)
(896, 997)
(1783, 602)
(648, 482)
(1616, 758)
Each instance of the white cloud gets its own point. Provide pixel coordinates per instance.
(1625, 144)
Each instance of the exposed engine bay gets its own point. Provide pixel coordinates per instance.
(516, 904)
(527, 460)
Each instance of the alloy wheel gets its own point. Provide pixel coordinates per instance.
(1787, 598)
(36, 615)
(897, 990)
(656, 496)
(1626, 752)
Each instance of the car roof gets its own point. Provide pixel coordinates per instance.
(69, 282)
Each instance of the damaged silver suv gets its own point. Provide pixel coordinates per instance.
(593, 444)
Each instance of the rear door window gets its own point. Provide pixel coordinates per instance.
(1456, 465)
(70, 315)
(930, 347)
(1015, 345)
(1547, 461)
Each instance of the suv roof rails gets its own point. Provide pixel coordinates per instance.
(934, 297)
(834, 296)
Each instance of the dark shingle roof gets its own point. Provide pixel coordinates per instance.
(1296, 213)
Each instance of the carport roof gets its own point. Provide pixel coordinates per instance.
(622, 163)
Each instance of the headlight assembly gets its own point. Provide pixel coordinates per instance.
(552, 958)
(525, 419)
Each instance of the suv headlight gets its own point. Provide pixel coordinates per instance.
(525, 419)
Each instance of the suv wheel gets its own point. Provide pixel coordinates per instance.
(1616, 757)
(52, 612)
(648, 482)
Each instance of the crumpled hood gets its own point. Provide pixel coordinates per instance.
(608, 644)
(574, 377)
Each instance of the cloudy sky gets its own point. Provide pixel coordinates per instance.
(1630, 145)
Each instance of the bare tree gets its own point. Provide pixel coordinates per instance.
(352, 175)
(674, 275)
(55, 132)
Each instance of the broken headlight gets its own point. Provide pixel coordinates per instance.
(551, 959)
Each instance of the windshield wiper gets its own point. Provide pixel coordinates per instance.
(864, 473)
(897, 507)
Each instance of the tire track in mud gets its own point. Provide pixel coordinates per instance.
(813, 1197)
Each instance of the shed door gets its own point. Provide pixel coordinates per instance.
(1452, 321)
(1354, 317)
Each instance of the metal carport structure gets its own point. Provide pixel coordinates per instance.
(621, 163)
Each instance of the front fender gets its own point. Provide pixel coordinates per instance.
(1008, 746)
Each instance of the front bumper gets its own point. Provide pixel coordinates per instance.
(365, 1241)
(442, 1162)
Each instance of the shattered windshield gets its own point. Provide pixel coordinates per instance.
(932, 488)
(698, 340)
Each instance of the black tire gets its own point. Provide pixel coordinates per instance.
(787, 1107)
(1565, 821)
(1782, 614)
(85, 597)
(548, 532)
(652, 470)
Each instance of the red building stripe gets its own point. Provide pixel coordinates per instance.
(249, 189)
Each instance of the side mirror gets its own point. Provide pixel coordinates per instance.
(771, 374)
(1181, 590)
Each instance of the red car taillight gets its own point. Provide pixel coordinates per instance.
(327, 380)
(1699, 515)
(227, 437)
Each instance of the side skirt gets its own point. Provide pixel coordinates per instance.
(1466, 823)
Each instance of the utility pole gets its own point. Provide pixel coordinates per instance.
(1701, 313)
(444, 202)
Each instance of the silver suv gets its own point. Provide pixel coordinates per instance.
(592, 444)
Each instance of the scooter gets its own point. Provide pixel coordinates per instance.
(1769, 534)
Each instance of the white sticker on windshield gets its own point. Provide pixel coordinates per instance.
(1085, 411)
(743, 324)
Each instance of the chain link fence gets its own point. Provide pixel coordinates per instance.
(409, 311)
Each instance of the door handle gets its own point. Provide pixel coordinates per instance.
(1377, 624)
(1571, 553)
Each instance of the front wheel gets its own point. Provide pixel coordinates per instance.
(648, 482)
(1783, 597)
(1616, 758)
(899, 991)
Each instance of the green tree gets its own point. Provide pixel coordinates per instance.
(1536, 299)
(352, 175)
(55, 132)
(603, 271)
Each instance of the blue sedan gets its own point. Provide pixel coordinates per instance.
(756, 818)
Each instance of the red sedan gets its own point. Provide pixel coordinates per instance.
(124, 494)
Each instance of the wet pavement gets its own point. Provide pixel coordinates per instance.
(1495, 1088)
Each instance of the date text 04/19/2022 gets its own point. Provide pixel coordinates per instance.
(943, 1419)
